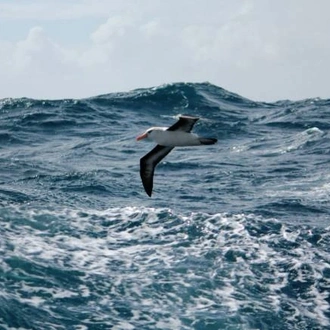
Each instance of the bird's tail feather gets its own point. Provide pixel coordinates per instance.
(207, 140)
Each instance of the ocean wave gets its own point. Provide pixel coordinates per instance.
(235, 236)
(147, 267)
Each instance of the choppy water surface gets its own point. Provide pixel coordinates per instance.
(236, 235)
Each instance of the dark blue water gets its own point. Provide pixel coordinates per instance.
(236, 235)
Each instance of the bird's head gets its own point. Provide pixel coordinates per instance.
(150, 133)
(145, 135)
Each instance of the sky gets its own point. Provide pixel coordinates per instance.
(264, 50)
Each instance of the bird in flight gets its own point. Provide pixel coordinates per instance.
(177, 135)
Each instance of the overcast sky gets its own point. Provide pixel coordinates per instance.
(264, 50)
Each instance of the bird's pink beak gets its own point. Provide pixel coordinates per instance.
(142, 136)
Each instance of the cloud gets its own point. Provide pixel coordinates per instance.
(114, 27)
(260, 49)
(34, 66)
(34, 49)
(58, 10)
(151, 29)
(39, 55)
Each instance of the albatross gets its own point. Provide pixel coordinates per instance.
(177, 135)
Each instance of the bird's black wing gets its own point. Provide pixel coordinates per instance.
(185, 124)
(148, 164)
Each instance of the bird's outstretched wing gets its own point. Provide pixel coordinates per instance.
(148, 164)
(185, 124)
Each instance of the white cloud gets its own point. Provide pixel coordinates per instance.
(57, 10)
(35, 66)
(96, 55)
(261, 49)
(114, 27)
(151, 29)
(38, 54)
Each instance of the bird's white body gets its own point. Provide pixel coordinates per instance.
(161, 136)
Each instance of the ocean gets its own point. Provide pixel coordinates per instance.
(235, 236)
